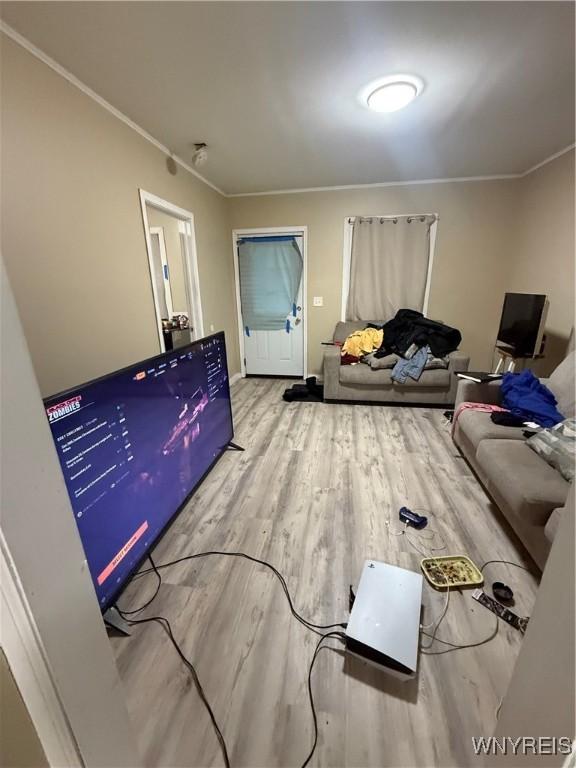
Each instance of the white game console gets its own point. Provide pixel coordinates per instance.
(384, 624)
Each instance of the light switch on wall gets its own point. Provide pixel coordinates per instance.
(318, 301)
(211, 328)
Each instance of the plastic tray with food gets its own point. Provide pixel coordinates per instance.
(452, 571)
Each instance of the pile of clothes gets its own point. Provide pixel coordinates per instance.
(527, 399)
(526, 402)
(361, 343)
(409, 343)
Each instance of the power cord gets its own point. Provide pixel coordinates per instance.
(308, 624)
(319, 647)
(165, 624)
(456, 646)
(405, 532)
(436, 623)
(506, 562)
(148, 602)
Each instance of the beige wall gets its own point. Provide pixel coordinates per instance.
(472, 258)
(544, 255)
(72, 232)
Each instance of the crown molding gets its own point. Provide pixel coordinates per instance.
(455, 180)
(377, 185)
(63, 72)
(548, 160)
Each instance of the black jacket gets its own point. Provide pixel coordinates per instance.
(411, 327)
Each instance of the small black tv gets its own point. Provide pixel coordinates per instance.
(522, 323)
(133, 446)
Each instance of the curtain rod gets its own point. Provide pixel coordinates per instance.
(394, 219)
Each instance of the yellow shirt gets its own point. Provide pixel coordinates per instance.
(363, 342)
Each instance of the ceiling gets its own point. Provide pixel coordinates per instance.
(272, 87)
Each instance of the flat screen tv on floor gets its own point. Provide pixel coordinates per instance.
(133, 447)
(522, 323)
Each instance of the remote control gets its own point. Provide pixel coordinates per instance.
(504, 613)
(411, 518)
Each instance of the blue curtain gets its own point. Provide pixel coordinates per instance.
(270, 275)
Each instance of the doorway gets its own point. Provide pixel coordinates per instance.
(172, 259)
(270, 271)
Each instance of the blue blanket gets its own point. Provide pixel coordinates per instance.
(528, 399)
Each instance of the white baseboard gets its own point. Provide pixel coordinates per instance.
(234, 378)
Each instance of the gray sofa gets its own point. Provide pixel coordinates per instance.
(361, 383)
(530, 493)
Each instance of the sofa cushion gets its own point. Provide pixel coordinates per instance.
(379, 363)
(437, 379)
(343, 330)
(552, 525)
(561, 384)
(363, 374)
(477, 426)
(530, 487)
(366, 376)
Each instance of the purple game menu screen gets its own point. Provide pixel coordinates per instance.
(134, 445)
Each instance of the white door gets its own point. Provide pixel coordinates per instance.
(281, 352)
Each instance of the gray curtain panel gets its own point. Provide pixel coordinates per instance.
(389, 266)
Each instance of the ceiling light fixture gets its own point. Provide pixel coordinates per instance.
(389, 94)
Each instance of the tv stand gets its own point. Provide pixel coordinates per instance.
(233, 447)
(113, 619)
(507, 356)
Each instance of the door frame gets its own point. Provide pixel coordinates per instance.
(189, 255)
(28, 664)
(255, 232)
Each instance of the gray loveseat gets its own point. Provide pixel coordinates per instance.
(530, 493)
(361, 383)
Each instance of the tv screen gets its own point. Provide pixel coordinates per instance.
(520, 321)
(134, 445)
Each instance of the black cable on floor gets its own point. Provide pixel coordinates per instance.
(308, 624)
(319, 647)
(506, 562)
(148, 602)
(165, 624)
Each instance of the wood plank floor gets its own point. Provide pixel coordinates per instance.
(312, 494)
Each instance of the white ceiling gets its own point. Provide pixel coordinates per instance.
(272, 87)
